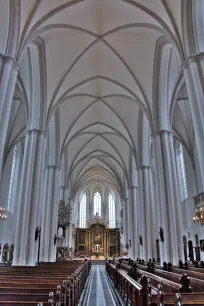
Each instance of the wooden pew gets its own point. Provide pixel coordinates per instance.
(133, 293)
(31, 285)
(69, 292)
(160, 297)
(168, 286)
(190, 299)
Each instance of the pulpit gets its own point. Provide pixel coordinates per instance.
(97, 240)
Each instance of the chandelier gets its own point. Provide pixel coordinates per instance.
(3, 217)
(199, 210)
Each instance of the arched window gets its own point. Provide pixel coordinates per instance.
(13, 167)
(82, 217)
(97, 204)
(111, 204)
(184, 190)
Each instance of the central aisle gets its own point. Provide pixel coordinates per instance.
(100, 293)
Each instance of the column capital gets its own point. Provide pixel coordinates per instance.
(52, 167)
(161, 132)
(194, 58)
(11, 60)
(144, 167)
(62, 187)
(132, 187)
(35, 131)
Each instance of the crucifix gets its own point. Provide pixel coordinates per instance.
(97, 247)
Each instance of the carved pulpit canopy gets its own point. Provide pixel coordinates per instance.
(96, 220)
(64, 214)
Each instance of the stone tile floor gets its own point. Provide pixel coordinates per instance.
(100, 292)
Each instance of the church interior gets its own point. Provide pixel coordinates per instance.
(101, 152)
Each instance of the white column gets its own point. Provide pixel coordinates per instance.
(49, 215)
(134, 223)
(62, 193)
(126, 216)
(30, 199)
(131, 223)
(169, 214)
(193, 69)
(7, 87)
(135, 191)
(147, 217)
(154, 221)
(124, 223)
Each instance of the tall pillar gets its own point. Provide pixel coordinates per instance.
(154, 214)
(131, 223)
(169, 213)
(124, 223)
(7, 86)
(126, 216)
(146, 213)
(193, 69)
(134, 225)
(70, 234)
(30, 199)
(49, 218)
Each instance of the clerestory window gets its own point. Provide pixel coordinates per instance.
(184, 189)
(97, 204)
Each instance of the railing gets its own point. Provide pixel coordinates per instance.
(69, 292)
(134, 293)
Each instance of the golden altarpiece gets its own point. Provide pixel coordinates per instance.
(97, 240)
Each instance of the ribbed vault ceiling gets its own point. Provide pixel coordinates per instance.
(99, 59)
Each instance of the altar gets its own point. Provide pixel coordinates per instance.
(97, 240)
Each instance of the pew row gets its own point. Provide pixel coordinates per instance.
(131, 289)
(69, 292)
(31, 285)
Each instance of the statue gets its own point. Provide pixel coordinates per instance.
(161, 233)
(11, 253)
(60, 232)
(5, 253)
(141, 240)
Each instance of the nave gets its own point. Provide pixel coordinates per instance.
(101, 144)
(99, 292)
